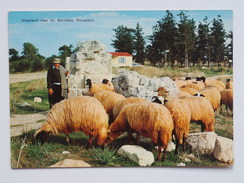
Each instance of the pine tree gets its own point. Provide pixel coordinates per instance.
(218, 40)
(139, 45)
(186, 38)
(124, 39)
(203, 41)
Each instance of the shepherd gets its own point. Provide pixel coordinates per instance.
(56, 83)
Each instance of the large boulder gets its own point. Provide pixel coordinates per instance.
(137, 154)
(131, 84)
(202, 143)
(223, 150)
(70, 163)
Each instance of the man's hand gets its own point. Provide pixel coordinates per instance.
(50, 91)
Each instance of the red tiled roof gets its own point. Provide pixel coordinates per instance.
(120, 54)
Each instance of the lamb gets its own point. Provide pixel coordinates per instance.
(109, 100)
(227, 99)
(147, 119)
(229, 84)
(95, 87)
(131, 100)
(212, 94)
(76, 114)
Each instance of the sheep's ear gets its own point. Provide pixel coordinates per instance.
(201, 95)
(165, 101)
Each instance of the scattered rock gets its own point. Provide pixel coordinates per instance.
(65, 152)
(181, 164)
(187, 160)
(131, 84)
(171, 147)
(23, 104)
(202, 143)
(137, 154)
(70, 163)
(223, 150)
(37, 100)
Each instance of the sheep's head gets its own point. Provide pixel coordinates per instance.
(105, 81)
(188, 78)
(88, 82)
(158, 99)
(227, 80)
(41, 136)
(199, 95)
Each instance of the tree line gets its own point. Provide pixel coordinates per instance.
(179, 43)
(31, 60)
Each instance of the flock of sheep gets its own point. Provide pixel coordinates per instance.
(105, 114)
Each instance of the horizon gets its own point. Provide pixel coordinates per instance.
(49, 30)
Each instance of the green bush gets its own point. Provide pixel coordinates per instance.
(21, 65)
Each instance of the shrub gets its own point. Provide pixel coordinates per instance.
(21, 65)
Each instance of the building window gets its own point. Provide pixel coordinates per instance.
(122, 60)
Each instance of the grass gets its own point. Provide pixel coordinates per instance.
(27, 154)
(26, 92)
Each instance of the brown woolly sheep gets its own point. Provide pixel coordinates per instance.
(201, 110)
(109, 100)
(212, 94)
(147, 119)
(181, 115)
(76, 114)
(131, 100)
(94, 87)
(196, 85)
(215, 83)
(227, 99)
(229, 84)
(191, 91)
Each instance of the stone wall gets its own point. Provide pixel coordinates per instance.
(90, 61)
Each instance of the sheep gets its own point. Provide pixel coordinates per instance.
(200, 110)
(196, 85)
(215, 83)
(147, 119)
(94, 87)
(191, 91)
(76, 114)
(181, 115)
(212, 94)
(131, 100)
(227, 99)
(229, 84)
(109, 100)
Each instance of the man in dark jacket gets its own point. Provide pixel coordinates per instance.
(56, 83)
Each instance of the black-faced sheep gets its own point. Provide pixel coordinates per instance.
(147, 119)
(84, 114)
(95, 87)
(212, 94)
(229, 84)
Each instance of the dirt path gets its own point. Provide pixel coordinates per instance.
(26, 122)
(15, 78)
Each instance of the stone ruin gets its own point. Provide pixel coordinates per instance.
(90, 61)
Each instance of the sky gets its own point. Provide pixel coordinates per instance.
(49, 30)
